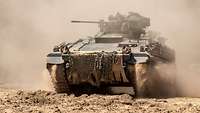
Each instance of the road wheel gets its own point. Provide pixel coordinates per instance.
(57, 73)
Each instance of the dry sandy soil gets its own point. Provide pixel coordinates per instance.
(17, 101)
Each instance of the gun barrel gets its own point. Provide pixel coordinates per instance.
(75, 21)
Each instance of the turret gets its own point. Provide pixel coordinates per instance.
(133, 25)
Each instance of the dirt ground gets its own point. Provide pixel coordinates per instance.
(18, 101)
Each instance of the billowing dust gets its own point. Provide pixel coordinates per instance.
(29, 29)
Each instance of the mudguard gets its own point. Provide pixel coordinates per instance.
(55, 58)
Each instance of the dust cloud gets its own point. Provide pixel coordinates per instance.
(30, 28)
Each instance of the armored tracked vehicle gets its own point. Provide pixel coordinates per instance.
(122, 54)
